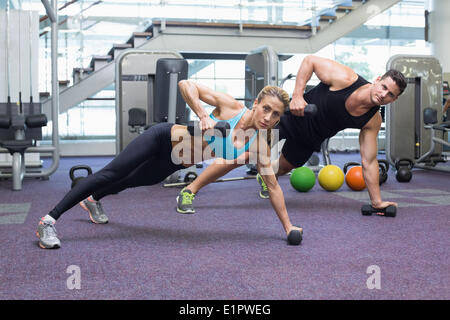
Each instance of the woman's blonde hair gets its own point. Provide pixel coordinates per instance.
(279, 93)
(274, 91)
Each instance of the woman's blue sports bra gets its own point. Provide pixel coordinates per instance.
(223, 146)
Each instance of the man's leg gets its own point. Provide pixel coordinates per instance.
(213, 172)
(140, 176)
(282, 166)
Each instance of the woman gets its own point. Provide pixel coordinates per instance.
(166, 148)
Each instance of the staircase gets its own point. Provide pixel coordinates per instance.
(196, 36)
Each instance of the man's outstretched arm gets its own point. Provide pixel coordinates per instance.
(369, 150)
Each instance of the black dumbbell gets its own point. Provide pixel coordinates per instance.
(389, 211)
(222, 126)
(384, 168)
(74, 179)
(404, 170)
(295, 237)
(310, 110)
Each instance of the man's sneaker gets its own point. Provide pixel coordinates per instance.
(184, 201)
(95, 209)
(47, 235)
(264, 192)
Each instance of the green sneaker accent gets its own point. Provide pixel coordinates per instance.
(184, 202)
(264, 192)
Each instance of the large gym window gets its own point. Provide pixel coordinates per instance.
(226, 76)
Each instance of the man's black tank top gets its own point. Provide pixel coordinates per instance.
(332, 116)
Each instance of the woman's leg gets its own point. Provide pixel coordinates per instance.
(153, 143)
(137, 152)
(149, 173)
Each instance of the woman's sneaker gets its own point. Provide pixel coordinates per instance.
(264, 192)
(46, 233)
(95, 209)
(184, 201)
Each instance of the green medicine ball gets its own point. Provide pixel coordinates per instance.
(303, 179)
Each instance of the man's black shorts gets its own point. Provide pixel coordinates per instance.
(295, 153)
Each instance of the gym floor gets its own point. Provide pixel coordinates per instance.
(234, 246)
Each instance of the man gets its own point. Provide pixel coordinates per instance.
(344, 100)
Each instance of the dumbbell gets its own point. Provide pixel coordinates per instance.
(368, 210)
(295, 237)
(310, 110)
(222, 126)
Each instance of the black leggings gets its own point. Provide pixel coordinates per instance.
(145, 161)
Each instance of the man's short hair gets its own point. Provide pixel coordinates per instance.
(398, 78)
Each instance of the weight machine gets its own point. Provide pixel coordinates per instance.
(414, 130)
(21, 120)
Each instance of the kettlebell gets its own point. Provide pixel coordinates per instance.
(348, 164)
(74, 179)
(190, 176)
(384, 168)
(404, 170)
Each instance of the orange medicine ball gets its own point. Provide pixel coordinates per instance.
(355, 179)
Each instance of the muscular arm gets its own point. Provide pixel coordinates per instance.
(369, 150)
(275, 193)
(193, 93)
(446, 106)
(330, 72)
